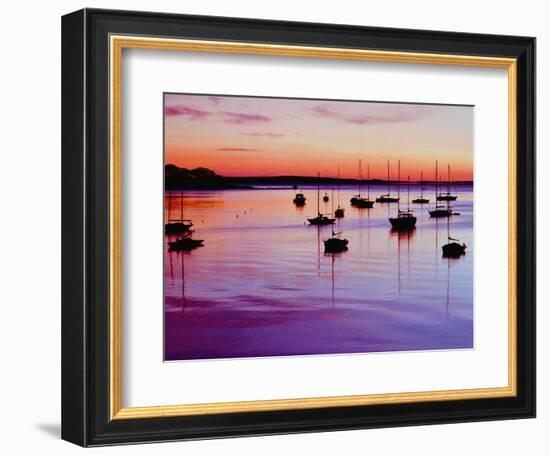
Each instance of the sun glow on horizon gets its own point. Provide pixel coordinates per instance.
(250, 136)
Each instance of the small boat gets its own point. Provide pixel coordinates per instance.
(339, 213)
(335, 244)
(440, 211)
(405, 220)
(359, 201)
(321, 219)
(453, 249)
(387, 198)
(447, 196)
(299, 199)
(421, 199)
(176, 226)
(185, 244)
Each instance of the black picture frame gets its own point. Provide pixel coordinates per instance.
(85, 225)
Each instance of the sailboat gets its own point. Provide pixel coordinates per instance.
(440, 211)
(387, 198)
(339, 212)
(176, 226)
(447, 196)
(405, 220)
(335, 244)
(358, 200)
(453, 249)
(185, 244)
(320, 219)
(421, 199)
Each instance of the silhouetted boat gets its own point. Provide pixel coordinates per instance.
(405, 220)
(453, 249)
(440, 211)
(339, 212)
(358, 200)
(176, 226)
(387, 198)
(299, 199)
(335, 244)
(421, 199)
(321, 219)
(447, 196)
(185, 244)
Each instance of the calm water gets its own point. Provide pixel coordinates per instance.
(263, 286)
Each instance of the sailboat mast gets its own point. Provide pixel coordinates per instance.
(388, 165)
(436, 178)
(408, 192)
(338, 185)
(448, 179)
(181, 204)
(318, 189)
(421, 185)
(398, 187)
(360, 178)
(368, 181)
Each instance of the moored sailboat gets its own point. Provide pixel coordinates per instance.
(321, 219)
(454, 248)
(447, 196)
(176, 226)
(387, 198)
(359, 201)
(335, 244)
(439, 211)
(421, 199)
(405, 220)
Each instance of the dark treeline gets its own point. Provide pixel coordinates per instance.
(204, 178)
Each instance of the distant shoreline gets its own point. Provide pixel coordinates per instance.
(204, 179)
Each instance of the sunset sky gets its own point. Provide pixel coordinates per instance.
(249, 136)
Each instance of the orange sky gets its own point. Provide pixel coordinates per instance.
(250, 136)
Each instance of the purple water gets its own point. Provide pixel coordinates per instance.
(263, 286)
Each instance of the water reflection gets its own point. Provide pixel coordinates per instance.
(262, 284)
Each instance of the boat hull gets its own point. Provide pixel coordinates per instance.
(336, 245)
(177, 227)
(321, 220)
(420, 201)
(185, 244)
(403, 223)
(447, 198)
(440, 213)
(387, 199)
(453, 250)
(363, 203)
(339, 213)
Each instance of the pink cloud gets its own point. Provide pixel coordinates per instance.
(242, 118)
(181, 110)
(384, 115)
(266, 135)
(236, 149)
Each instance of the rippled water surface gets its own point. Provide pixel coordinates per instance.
(263, 286)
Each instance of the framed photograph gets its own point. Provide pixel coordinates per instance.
(278, 227)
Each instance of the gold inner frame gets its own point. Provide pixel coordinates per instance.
(117, 44)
